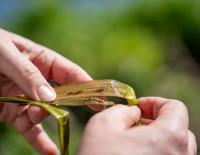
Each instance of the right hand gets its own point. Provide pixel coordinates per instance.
(165, 131)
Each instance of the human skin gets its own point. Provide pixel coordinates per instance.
(24, 68)
(164, 130)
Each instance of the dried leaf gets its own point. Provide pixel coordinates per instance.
(82, 93)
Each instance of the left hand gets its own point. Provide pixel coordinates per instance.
(24, 68)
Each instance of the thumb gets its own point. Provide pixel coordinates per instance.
(118, 117)
(25, 74)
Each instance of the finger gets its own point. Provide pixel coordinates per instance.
(36, 114)
(53, 65)
(26, 75)
(62, 70)
(27, 117)
(40, 141)
(22, 123)
(192, 145)
(97, 107)
(8, 114)
(145, 121)
(118, 117)
(167, 113)
(146, 105)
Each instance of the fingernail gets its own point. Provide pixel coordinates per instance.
(46, 94)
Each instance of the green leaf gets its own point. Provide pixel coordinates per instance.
(60, 114)
(82, 93)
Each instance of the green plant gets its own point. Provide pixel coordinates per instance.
(82, 93)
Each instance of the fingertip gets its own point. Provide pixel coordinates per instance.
(147, 105)
(36, 114)
(137, 113)
(121, 116)
(46, 94)
(97, 107)
(132, 115)
(169, 113)
(150, 99)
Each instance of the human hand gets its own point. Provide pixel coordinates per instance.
(165, 131)
(24, 67)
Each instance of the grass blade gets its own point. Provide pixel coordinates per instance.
(61, 115)
(82, 93)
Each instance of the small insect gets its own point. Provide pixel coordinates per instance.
(99, 90)
(74, 93)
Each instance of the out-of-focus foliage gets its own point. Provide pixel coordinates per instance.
(150, 45)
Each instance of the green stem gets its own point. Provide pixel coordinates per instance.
(61, 115)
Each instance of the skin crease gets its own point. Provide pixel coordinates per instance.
(25, 66)
(165, 131)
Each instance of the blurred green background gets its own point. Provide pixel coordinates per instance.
(154, 46)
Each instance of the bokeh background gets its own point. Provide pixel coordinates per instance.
(154, 46)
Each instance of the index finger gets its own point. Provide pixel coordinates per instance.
(52, 65)
(168, 113)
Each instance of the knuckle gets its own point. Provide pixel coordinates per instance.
(177, 139)
(29, 70)
(99, 119)
(176, 142)
(178, 103)
(23, 129)
(181, 139)
(22, 124)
